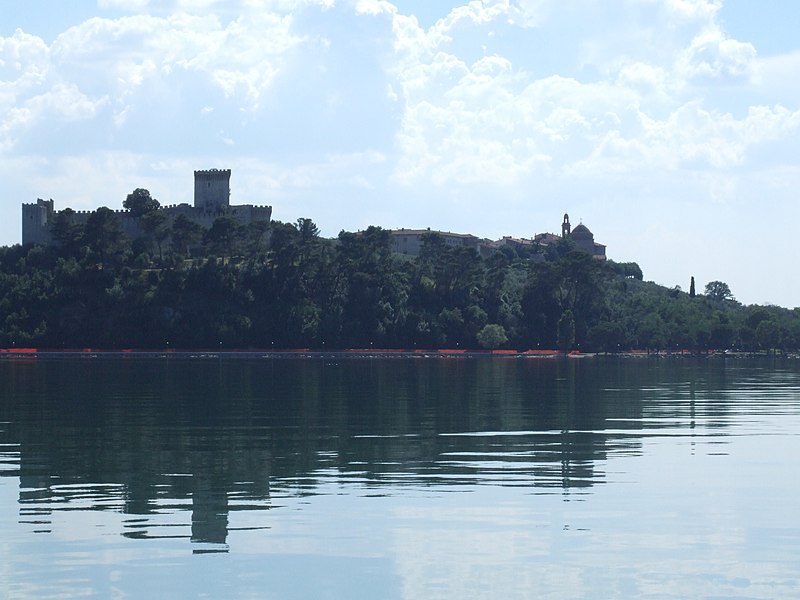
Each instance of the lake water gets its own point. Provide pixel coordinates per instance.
(400, 478)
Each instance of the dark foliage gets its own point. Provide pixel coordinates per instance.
(283, 286)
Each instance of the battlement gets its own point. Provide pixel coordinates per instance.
(46, 204)
(217, 174)
(116, 211)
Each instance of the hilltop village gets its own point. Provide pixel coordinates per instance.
(224, 276)
(212, 201)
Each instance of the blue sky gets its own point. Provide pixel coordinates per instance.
(669, 127)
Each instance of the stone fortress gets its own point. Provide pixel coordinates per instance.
(212, 192)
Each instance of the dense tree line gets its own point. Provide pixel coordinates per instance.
(281, 285)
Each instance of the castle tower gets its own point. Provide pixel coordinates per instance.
(36, 221)
(565, 226)
(212, 190)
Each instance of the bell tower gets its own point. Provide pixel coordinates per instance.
(565, 226)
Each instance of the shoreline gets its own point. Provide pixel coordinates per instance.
(361, 353)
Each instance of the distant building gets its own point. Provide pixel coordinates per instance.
(546, 239)
(409, 241)
(211, 200)
(583, 238)
(36, 221)
(512, 242)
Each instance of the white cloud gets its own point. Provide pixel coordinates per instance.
(245, 57)
(711, 56)
(24, 65)
(776, 76)
(477, 12)
(20, 52)
(242, 57)
(107, 62)
(30, 93)
(65, 101)
(692, 10)
(492, 121)
(127, 5)
(375, 7)
(644, 78)
(532, 13)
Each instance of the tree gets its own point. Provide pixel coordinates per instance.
(155, 227)
(307, 229)
(721, 333)
(66, 232)
(691, 288)
(634, 271)
(718, 292)
(577, 288)
(223, 235)
(492, 336)
(606, 335)
(768, 334)
(566, 331)
(104, 234)
(629, 270)
(651, 332)
(371, 290)
(185, 234)
(540, 307)
(255, 240)
(140, 202)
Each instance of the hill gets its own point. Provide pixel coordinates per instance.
(282, 286)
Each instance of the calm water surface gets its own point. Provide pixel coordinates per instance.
(400, 478)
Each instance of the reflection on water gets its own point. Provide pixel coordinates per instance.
(197, 455)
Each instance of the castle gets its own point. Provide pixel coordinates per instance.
(212, 192)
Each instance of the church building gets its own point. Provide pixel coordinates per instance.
(583, 238)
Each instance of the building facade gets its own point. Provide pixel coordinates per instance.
(583, 238)
(211, 200)
(409, 241)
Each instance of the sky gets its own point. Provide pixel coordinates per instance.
(668, 127)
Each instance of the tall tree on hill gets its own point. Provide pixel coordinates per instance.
(140, 202)
(223, 236)
(718, 292)
(307, 229)
(691, 288)
(66, 232)
(104, 235)
(184, 234)
(373, 290)
(154, 225)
